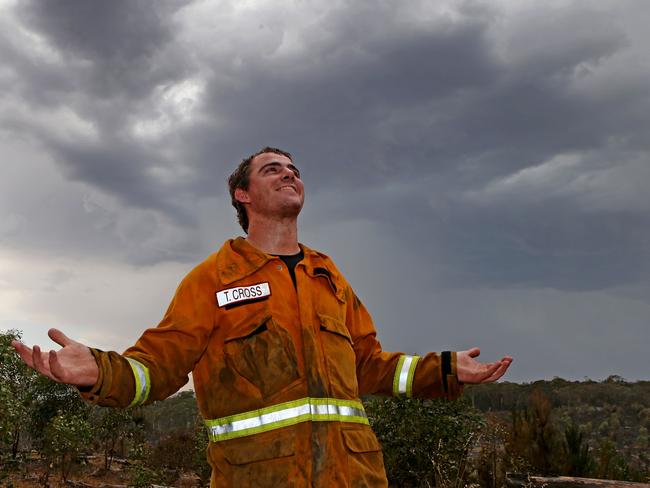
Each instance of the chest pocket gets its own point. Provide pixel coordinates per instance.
(339, 357)
(262, 352)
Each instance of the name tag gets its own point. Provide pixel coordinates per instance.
(243, 293)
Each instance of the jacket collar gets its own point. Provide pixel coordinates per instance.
(238, 259)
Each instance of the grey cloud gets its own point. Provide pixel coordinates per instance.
(43, 213)
(430, 98)
(439, 97)
(552, 242)
(356, 84)
(119, 39)
(549, 247)
(108, 58)
(403, 116)
(121, 168)
(101, 30)
(31, 79)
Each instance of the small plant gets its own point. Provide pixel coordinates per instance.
(142, 476)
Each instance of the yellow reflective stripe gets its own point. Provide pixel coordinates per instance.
(142, 382)
(398, 371)
(411, 374)
(404, 372)
(284, 414)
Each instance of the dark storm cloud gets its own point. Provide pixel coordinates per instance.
(117, 168)
(553, 243)
(335, 113)
(110, 57)
(430, 97)
(121, 39)
(402, 114)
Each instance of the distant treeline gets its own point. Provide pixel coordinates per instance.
(614, 390)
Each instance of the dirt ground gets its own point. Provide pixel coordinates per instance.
(89, 475)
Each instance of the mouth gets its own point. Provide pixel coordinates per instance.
(288, 187)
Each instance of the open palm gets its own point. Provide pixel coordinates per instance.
(73, 364)
(471, 371)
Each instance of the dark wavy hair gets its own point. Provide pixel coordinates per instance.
(240, 179)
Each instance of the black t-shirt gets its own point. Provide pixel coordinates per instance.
(291, 262)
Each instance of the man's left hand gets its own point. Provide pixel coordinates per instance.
(470, 371)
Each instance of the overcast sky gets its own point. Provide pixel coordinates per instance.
(479, 170)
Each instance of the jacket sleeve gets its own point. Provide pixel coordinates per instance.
(394, 373)
(160, 361)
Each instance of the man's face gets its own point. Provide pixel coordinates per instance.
(274, 187)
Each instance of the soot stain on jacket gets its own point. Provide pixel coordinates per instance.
(266, 358)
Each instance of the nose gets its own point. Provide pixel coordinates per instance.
(288, 174)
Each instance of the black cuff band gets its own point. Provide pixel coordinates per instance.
(446, 368)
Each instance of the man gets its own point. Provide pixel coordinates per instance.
(280, 347)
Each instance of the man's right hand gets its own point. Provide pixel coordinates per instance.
(73, 364)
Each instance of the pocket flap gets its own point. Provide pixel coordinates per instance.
(334, 281)
(335, 326)
(248, 325)
(252, 449)
(360, 441)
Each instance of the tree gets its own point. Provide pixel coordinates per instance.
(201, 442)
(579, 461)
(66, 435)
(642, 439)
(175, 413)
(16, 393)
(609, 462)
(492, 460)
(48, 399)
(182, 450)
(173, 454)
(534, 437)
(112, 427)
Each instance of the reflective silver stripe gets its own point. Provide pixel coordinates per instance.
(142, 382)
(403, 382)
(283, 414)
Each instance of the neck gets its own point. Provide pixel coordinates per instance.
(274, 236)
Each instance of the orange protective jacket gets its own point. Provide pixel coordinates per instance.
(278, 371)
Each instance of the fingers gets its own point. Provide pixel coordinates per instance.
(46, 363)
(49, 363)
(59, 337)
(502, 367)
(57, 370)
(474, 352)
(34, 358)
(41, 361)
(490, 369)
(24, 352)
(498, 373)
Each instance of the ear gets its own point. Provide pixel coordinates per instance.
(241, 196)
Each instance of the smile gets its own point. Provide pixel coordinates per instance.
(288, 187)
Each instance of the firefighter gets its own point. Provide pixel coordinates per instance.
(280, 348)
